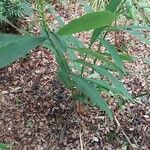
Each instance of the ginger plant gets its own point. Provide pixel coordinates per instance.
(86, 71)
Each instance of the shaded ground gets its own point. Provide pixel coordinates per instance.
(36, 111)
(35, 108)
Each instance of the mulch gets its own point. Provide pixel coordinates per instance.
(37, 112)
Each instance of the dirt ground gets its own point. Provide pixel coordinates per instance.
(37, 113)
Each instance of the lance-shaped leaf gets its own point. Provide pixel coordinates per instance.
(100, 56)
(120, 87)
(95, 34)
(8, 38)
(11, 51)
(127, 57)
(88, 22)
(144, 37)
(135, 27)
(89, 89)
(105, 85)
(4, 146)
(62, 74)
(112, 7)
(113, 52)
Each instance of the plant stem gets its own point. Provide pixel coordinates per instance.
(59, 58)
(82, 69)
(115, 34)
(99, 48)
(142, 94)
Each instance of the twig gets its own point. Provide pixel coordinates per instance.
(138, 102)
(142, 94)
(128, 139)
(118, 124)
(119, 128)
(67, 120)
(81, 142)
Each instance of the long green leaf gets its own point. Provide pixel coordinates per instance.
(91, 52)
(127, 57)
(60, 57)
(112, 7)
(74, 41)
(99, 56)
(104, 84)
(95, 34)
(131, 10)
(120, 87)
(8, 38)
(10, 52)
(113, 52)
(63, 77)
(68, 40)
(88, 22)
(4, 146)
(133, 31)
(27, 8)
(140, 35)
(97, 31)
(88, 89)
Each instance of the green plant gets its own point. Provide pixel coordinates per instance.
(98, 4)
(10, 9)
(4, 146)
(138, 11)
(91, 72)
(11, 12)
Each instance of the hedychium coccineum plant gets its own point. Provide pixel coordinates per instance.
(86, 71)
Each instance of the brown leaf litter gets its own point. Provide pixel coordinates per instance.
(35, 108)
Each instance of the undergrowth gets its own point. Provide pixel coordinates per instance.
(92, 72)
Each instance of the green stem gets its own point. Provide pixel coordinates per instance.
(142, 94)
(99, 48)
(45, 26)
(82, 69)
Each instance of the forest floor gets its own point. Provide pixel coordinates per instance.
(36, 110)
